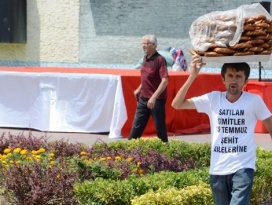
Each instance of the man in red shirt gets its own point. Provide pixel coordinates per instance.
(151, 93)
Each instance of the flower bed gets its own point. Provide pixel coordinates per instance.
(35, 171)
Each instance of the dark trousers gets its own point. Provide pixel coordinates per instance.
(142, 115)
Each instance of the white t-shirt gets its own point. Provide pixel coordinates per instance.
(232, 129)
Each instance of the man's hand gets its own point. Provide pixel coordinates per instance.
(196, 64)
(151, 102)
(137, 94)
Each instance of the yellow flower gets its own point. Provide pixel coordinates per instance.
(52, 163)
(51, 154)
(38, 157)
(108, 158)
(9, 154)
(4, 157)
(11, 162)
(129, 159)
(83, 153)
(141, 171)
(41, 150)
(102, 158)
(34, 152)
(17, 150)
(29, 159)
(89, 162)
(117, 158)
(138, 164)
(23, 152)
(18, 162)
(7, 150)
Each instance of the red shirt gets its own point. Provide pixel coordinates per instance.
(152, 71)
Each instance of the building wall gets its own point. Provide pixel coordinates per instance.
(52, 33)
(92, 32)
(111, 30)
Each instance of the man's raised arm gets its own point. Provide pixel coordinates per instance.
(179, 102)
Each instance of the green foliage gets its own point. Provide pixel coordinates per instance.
(200, 153)
(261, 190)
(144, 144)
(145, 170)
(117, 162)
(97, 169)
(101, 191)
(263, 153)
(199, 194)
(111, 192)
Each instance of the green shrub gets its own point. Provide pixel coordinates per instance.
(147, 155)
(191, 195)
(97, 169)
(261, 190)
(200, 153)
(118, 192)
(263, 153)
(101, 191)
(122, 163)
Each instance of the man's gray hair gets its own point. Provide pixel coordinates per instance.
(152, 39)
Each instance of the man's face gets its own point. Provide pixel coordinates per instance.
(234, 81)
(148, 48)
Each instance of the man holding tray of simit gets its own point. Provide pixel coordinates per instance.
(233, 113)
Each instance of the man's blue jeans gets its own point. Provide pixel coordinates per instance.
(233, 189)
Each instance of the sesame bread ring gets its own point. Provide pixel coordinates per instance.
(266, 37)
(255, 33)
(269, 30)
(249, 20)
(264, 45)
(256, 41)
(222, 28)
(260, 21)
(225, 18)
(260, 17)
(212, 54)
(245, 38)
(201, 53)
(193, 52)
(249, 27)
(242, 45)
(212, 46)
(256, 49)
(266, 52)
(243, 53)
(262, 25)
(227, 51)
